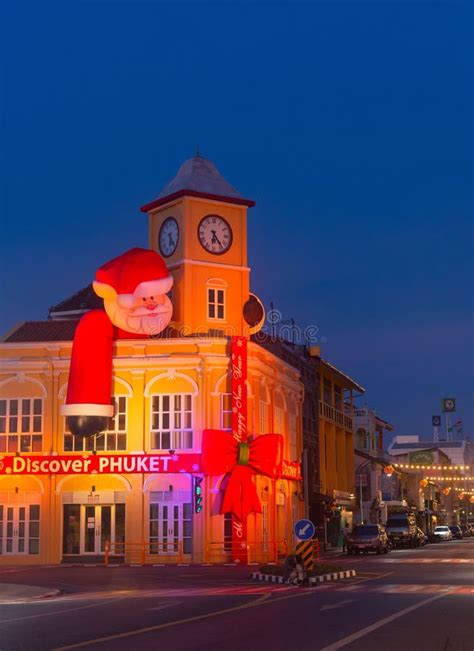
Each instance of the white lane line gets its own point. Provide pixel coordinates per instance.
(373, 627)
(167, 604)
(340, 604)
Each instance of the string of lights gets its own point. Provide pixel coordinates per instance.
(446, 478)
(410, 466)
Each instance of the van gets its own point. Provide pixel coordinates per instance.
(402, 530)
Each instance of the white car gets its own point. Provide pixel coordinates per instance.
(443, 533)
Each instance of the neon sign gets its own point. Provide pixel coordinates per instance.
(99, 464)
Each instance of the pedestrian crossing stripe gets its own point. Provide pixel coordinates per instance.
(305, 549)
(418, 588)
(424, 560)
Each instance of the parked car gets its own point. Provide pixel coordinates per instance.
(368, 537)
(456, 531)
(402, 530)
(431, 537)
(422, 537)
(443, 532)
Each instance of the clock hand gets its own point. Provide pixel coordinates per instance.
(216, 239)
(171, 241)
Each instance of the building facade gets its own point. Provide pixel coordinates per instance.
(328, 436)
(131, 490)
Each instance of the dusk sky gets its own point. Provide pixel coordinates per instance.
(349, 123)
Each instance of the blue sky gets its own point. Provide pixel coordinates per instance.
(349, 123)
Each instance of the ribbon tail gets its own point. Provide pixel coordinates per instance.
(241, 496)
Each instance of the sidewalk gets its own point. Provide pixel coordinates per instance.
(14, 593)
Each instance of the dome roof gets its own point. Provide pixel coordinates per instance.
(201, 175)
(198, 177)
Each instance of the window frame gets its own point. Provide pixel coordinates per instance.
(19, 433)
(171, 429)
(116, 432)
(223, 411)
(216, 303)
(293, 436)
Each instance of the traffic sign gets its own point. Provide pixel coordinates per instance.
(304, 529)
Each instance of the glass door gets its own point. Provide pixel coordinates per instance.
(87, 527)
(90, 529)
(169, 524)
(19, 529)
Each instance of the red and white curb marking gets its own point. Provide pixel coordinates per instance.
(313, 580)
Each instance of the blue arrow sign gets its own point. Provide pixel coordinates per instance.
(304, 529)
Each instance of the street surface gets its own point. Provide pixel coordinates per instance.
(419, 600)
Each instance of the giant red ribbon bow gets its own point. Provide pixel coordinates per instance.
(221, 454)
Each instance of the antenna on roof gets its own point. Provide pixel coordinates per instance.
(198, 153)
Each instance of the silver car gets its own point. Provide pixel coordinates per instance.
(443, 532)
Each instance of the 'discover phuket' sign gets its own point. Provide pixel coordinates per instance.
(103, 464)
(99, 464)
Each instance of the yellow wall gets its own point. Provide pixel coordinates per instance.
(141, 369)
(336, 448)
(193, 268)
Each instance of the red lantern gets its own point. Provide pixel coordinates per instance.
(423, 483)
(389, 470)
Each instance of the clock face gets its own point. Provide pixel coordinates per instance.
(215, 234)
(168, 237)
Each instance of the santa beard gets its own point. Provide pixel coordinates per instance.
(139, 320)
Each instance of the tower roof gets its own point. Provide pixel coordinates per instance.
(198, 177)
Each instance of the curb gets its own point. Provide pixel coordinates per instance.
(25, 599)
(313, 580)
(333, 576)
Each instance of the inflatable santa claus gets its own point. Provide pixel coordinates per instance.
(134, 287)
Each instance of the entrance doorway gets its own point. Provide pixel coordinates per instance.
(87, 527)
(19, 529)
(170, 523)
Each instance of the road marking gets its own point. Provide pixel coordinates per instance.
(261, 601)
(340, 604)
(424, 560)
(386, 620)
(402, 588)
(149, 629)
(167, 604)
(57, 612)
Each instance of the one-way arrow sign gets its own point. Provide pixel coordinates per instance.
(304, 529)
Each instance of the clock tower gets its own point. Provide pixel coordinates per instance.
(199, 225)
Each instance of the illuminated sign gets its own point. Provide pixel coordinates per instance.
(290, 470)
(99, 464)
(107, 464)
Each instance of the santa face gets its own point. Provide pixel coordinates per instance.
(141, 315)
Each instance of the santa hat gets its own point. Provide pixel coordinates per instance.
(137, 272)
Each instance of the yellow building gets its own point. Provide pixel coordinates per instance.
(336, 441)
(167, 390)
(328, 439)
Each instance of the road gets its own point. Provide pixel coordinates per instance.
(419, 599)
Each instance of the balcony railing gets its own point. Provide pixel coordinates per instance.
(338, 417)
